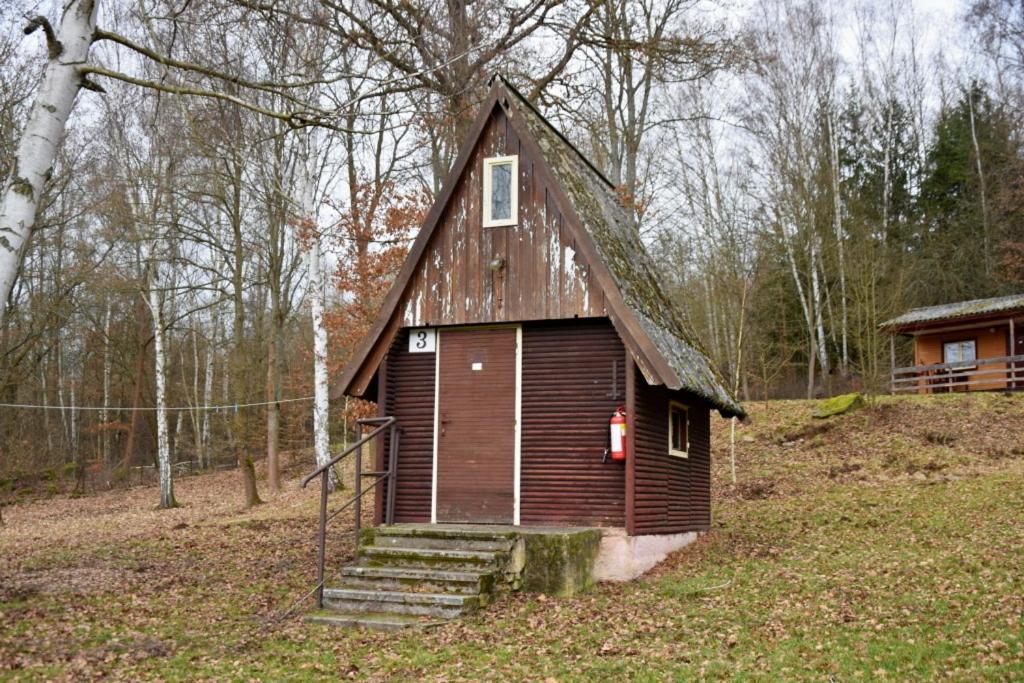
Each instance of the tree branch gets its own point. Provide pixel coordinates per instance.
(267, 86)
(54, 47)
(293, 119)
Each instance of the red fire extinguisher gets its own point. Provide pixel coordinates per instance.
(617, 426)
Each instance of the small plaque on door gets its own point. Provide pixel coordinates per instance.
(423, 340)
(477, 367)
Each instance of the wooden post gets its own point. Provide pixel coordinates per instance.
(630, 444)
(1013, 352)
(892, 363)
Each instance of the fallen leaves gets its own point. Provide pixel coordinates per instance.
(830, 571)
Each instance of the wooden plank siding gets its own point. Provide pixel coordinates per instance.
(544, 276)
(672, 494)
(573, 378)
(409, 396)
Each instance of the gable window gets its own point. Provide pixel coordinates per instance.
(678, 430)
(501, 201)
(959, 351)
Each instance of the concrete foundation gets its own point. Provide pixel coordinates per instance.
(622, 557)
(558, 561)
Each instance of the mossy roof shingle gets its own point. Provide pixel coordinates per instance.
(958, 309)
(606, 220)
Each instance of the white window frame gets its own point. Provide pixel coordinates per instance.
(961, 343)
(686, 409)
(513, 218)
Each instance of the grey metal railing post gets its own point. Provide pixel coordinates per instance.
(359, 485)
(321, 545)
(389, 512)
(324, 471)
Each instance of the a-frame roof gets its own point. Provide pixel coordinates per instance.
(651, 324)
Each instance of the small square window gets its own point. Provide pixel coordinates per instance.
(678, 430)
(501, 190)
(959, 351)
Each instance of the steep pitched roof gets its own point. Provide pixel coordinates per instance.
(957, 310)
(618, 243)
(652, 325)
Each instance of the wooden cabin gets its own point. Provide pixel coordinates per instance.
(525, 315)
(973, 345)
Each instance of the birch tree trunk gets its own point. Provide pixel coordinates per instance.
(321, 407)
(321, 435)
(43, 370)
(65, 427)
(982, 190)
(37, 148)
(805, 306)
(837, 224)
(107, 371)
(204, 458)
(273, 415)
(160, 374)
(816, 301)
(197, 435)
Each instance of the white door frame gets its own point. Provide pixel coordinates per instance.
(517, 431)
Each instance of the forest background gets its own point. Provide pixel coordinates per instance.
(240, 180)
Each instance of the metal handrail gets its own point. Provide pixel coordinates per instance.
(385, 423)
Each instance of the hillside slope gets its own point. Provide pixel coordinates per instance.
(783, 450)
(885, 543)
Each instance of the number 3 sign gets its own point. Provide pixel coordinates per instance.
(422, 340)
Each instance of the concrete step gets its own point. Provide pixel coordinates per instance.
(427, 558)
(375, 622)
(446, 538)
(423, 580)
(354, 600)
(450, 543)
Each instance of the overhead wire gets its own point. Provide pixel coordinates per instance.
(225, 406)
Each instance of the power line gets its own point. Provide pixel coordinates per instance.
(229, 406)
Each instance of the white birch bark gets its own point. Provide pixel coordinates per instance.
(837, 224)
(65, 429)
(804, 306)
(321, 438)
(74, 423)
(321, 407)
(982, 191)
(197, 435)
(160, 373)
(204, 460)
(817, 305)
(800, 295)
(37, 148)
(43, 369)
(179, 427)
(887, 170)
(107, 370)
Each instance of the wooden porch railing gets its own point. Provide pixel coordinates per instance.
(961, 376)
(381, 424)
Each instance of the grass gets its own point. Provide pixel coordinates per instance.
(887, 545)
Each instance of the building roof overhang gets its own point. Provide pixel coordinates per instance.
(962, 314)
